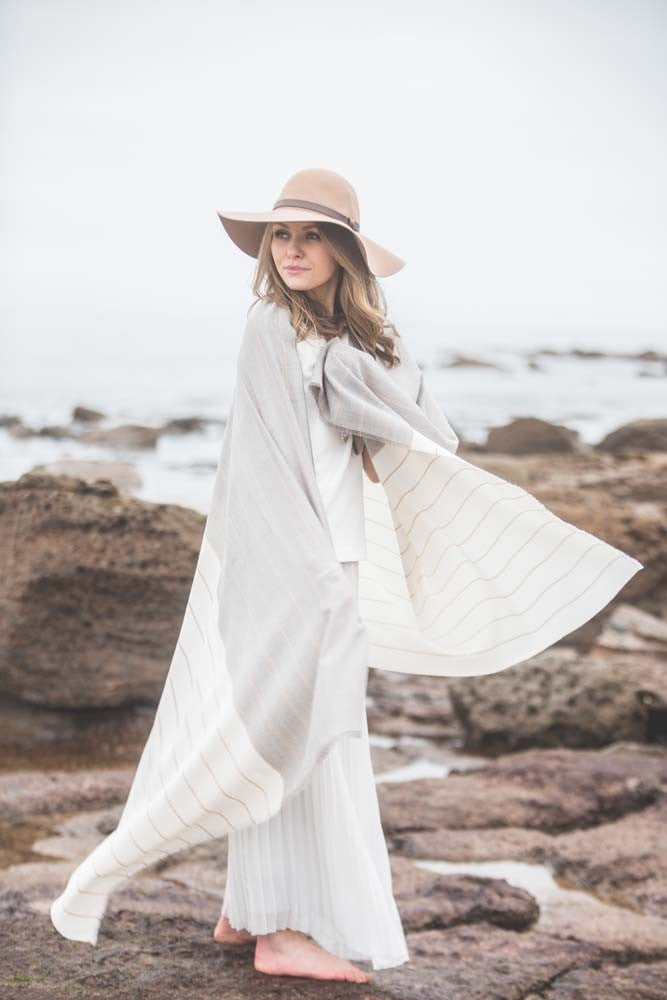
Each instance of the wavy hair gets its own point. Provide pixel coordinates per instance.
(359, 303)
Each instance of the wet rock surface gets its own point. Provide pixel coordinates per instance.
(548, 790)
(541, 791)
(595, 818)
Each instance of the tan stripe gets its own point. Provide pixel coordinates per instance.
(397, 467)
(173, 808)
(82, 916)
(415, 486)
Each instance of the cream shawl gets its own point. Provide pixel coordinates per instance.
(466, 574)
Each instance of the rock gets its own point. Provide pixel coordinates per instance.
(481, 962)
(638, 435)
(463, 361)
(562, 698)
(622, 862)
(184, 425)
(93, 591)
(509, 843)
(527, 435)
(85, 415)
(547, 790)
(632, 630)
(42, 792)
(33, 736)
(164, 935)
(10, 420)
(468, 937)
(587, 354)
(19, 430)
(410, 703)
(403, 755)
(426, 899)
(124, 475)
(124, 436)
(56, 431)
(608, 981)
(649, 356)
(619, 931)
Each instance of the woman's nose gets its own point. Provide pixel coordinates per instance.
(294, 247)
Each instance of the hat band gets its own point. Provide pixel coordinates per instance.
(315, 207)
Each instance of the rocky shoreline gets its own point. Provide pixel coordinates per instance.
(525, 812)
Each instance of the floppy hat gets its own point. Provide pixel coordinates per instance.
(311, 195)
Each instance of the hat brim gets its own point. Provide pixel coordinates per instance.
(246, 230)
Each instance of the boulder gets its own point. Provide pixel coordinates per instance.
(562, 698)
(527, 435)
(93, 591)
(427, 899)
(638, 435)
(86, 415)
(417, 704)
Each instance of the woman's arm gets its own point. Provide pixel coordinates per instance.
(369, 468)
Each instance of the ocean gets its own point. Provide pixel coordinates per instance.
(593, 395)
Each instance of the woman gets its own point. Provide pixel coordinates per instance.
(320, 866)
(260, 734)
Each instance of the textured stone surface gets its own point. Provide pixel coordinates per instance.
(549, 790)
(92, 593)
(563, 698)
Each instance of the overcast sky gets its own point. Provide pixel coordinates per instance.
(513, 153)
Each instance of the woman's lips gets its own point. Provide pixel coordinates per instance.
(295, 270)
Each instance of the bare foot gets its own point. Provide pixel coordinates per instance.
(226, 934)
(292, 953)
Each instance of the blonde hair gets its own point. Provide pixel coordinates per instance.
(359, 302)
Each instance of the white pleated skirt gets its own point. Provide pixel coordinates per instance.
(321, 865)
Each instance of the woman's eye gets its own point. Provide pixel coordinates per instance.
(282, 232)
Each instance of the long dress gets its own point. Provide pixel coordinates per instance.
(321, 865)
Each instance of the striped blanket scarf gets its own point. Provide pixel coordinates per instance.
(466, 574)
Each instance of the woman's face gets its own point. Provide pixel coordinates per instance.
(303, 261)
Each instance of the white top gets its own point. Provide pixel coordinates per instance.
(338, 469)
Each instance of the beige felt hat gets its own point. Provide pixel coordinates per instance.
(311, 195)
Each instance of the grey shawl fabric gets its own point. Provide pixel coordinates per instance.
(466, 574)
